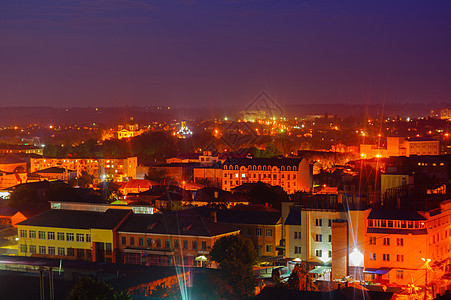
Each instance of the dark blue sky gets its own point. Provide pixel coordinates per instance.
(220, 53)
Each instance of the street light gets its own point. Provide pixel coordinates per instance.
(426, 260)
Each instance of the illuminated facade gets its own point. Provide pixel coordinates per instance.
(292, 174)
(169, 240)
(128, 130)
(70, 234)
(397, 241)
(102, 169)
(400, 146)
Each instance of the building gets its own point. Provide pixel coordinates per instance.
(102, 168)
(57, 173)
(136, 186)
(263, 228)
(128, 130)
(12, 164)
(20, 149)
(71, 234)
(171, 239)
(292, 174)
(397, 241)
(401, 146)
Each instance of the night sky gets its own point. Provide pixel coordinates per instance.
(212, 53)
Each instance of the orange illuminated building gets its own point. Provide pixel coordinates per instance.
(292, 174)
(397, 241)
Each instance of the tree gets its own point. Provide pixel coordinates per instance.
(166, 291)
(83, 181)
(92, 289)
(235, 256)
(300, 279)
(110, 190)
(157, 175)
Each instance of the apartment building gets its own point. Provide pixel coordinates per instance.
(102, 169)
(292, 174)
(397, 241)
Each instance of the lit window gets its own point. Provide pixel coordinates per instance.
(23, 233)
(70, 237)
(80, 237)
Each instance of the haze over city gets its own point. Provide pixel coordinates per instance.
(216, 54)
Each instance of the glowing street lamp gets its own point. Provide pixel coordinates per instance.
(426, 260)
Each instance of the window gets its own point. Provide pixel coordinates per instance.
(268, 248)
(185, 244)
(167, 243)
(372, 256)
(319, 238)
(132, 240)
(41, 249)
(61, 251)
(149, 242)
(400, 241)
(60, 236)
(80, 253)
(330, 253)
(319, 253)
(41, 235)
(258, 231)
(23, 248)
(330, 223)
(372, 240)
(399, 274)
(23, 233)
(51, 250)
(88, 238)
(195, 245)
(297, 235)
(108, 248)
(400, 258)
(32, 248)
(386, 257)
(268, 232)
(159, 243)
(32, 234)
(124, 240)
(319, 222)
(50, 235)
(297, 250)
(176, 244)
(80, 237)
(387, 241)
(70, 252)
(204, 245)
(330, 238)
(70, 237)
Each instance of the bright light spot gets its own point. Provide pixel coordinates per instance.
(356, 258)
(408, 119)
(225, 119)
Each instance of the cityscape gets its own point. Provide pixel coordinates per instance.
(229, 150)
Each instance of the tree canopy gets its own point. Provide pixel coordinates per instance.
(235, 256)
(92, 289)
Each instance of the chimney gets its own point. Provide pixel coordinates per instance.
(213, 216)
